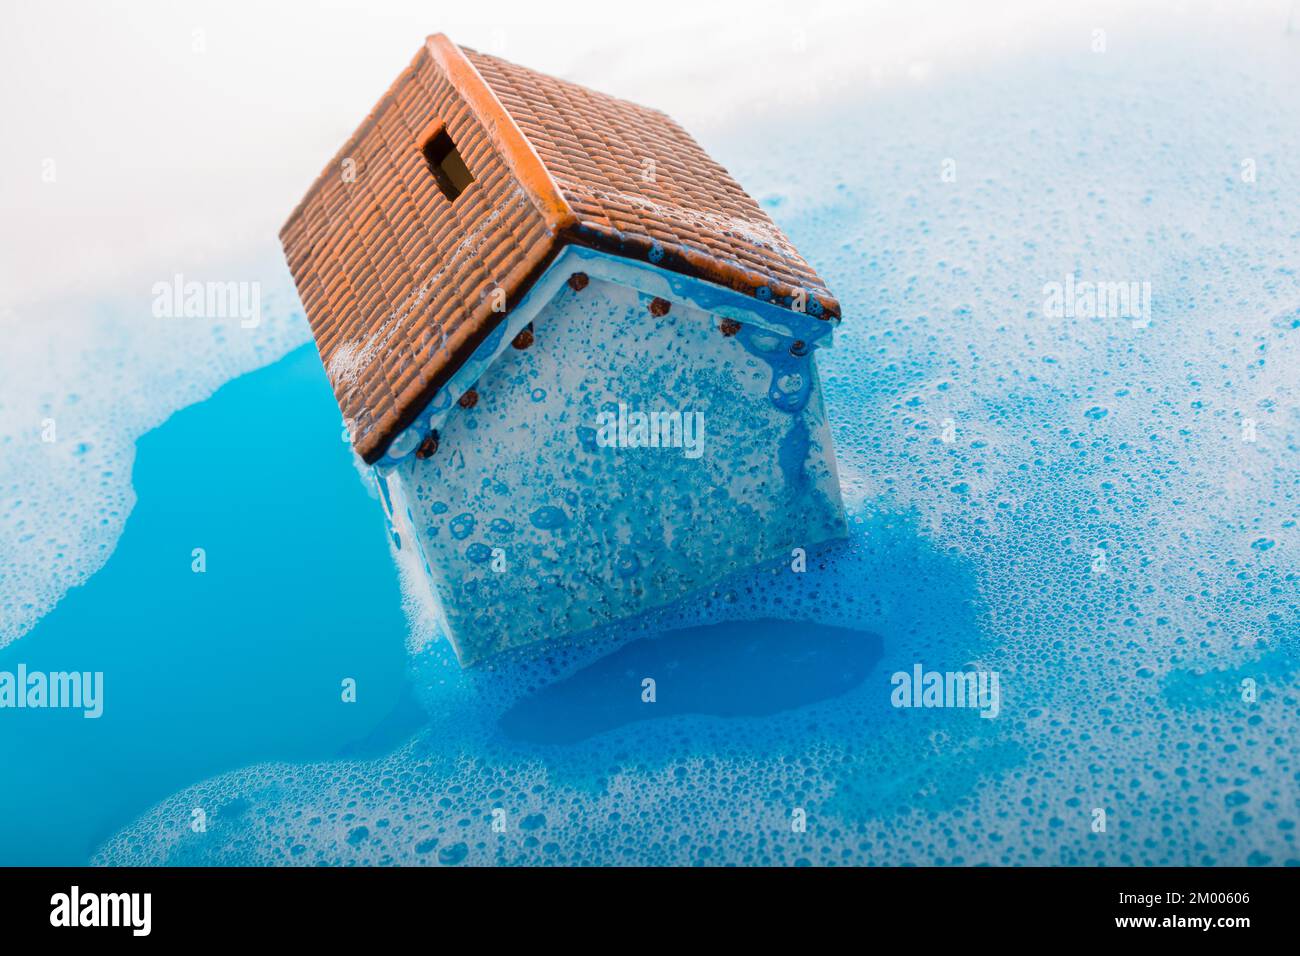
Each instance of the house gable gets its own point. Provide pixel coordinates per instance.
(582, 263)
(403, 279)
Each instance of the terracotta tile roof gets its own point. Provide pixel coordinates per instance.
(399, 282)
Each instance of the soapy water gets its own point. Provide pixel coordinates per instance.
(1095, 529)
(581, 775)
(204, 563)
(74, 400)
(740, 668)
(1072, 503)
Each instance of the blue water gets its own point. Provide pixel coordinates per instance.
(1097, 529)
(736, 669)
(207, 672)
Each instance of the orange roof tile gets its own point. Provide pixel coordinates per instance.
(399, 282)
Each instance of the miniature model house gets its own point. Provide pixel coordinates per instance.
(578, 355)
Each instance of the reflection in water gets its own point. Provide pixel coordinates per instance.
(733, 669)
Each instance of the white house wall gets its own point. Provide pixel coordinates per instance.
(533, 526)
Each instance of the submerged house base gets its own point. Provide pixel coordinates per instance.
(550, 506)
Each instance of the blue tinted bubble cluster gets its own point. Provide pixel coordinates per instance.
(1072, 502)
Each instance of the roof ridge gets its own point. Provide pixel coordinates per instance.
(504, 133)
